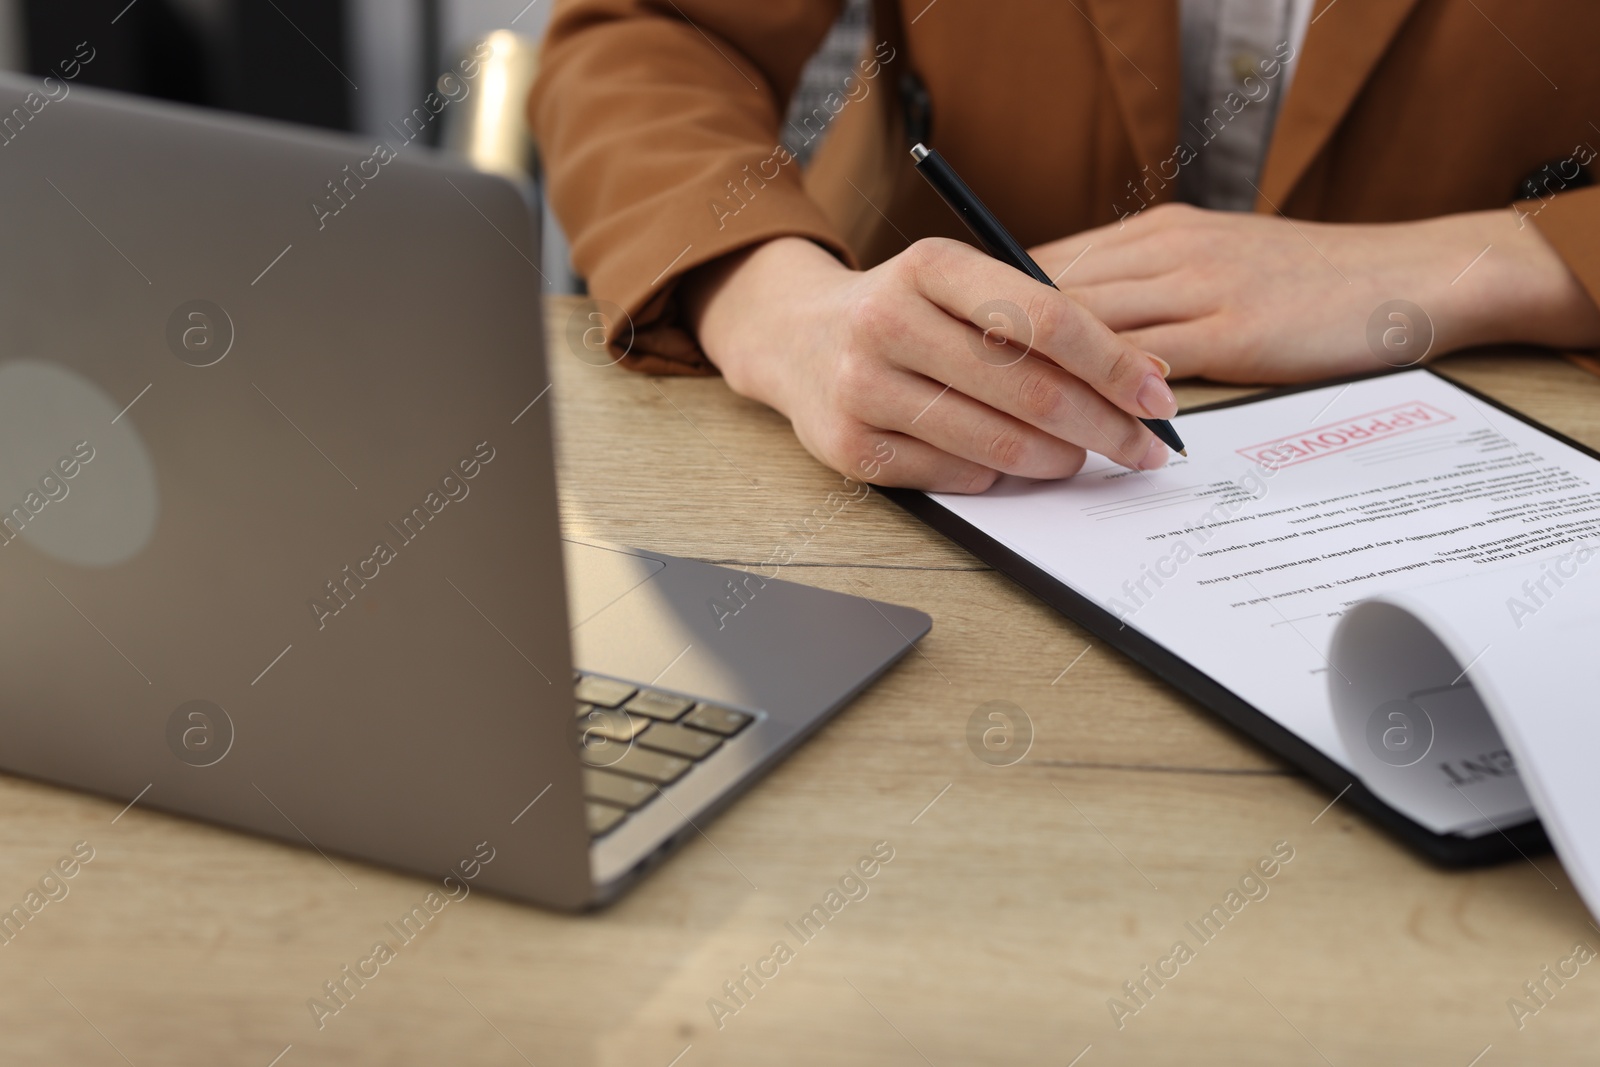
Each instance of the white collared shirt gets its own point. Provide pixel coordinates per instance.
(1238, 58)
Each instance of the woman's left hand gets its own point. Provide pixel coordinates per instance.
(1243, 297)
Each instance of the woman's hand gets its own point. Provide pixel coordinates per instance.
(957, 366)
(1259, 298)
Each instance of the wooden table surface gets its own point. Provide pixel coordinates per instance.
(1019, 899)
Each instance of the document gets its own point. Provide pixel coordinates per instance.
(1391, 568)
(1526, 706)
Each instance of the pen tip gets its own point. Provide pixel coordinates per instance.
(919, 152)
(1183, 452)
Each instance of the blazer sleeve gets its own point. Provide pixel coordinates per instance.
(1571, 223)
(658, 125)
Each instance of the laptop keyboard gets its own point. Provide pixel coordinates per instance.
(633, 739)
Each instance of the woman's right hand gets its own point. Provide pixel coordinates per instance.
(954, 364)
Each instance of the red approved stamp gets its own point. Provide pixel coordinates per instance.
(1344, 435)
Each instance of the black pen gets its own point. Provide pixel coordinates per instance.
(1002, 246)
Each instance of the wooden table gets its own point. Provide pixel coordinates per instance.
(1018, 901)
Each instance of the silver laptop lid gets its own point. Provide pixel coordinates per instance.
(280, 547)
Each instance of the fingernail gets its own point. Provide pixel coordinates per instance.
(1166, 368)
(1156, 399)
(1154, 456)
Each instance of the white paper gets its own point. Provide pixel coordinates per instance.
(1531, 635)
(1242, 558)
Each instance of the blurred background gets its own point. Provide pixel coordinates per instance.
(351, 65)
(342, 64)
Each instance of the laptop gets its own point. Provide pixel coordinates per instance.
(279, 541)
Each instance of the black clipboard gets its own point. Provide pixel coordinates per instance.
(1451, 850)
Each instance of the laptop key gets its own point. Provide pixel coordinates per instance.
(615, 789)
(679, 740)
(657, 705)
(718, 720)
(655, 767)
(611, 724)
(603, 817)
(604, 691)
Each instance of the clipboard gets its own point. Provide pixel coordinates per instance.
(1445, 849)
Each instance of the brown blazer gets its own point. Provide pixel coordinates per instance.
(658, 121)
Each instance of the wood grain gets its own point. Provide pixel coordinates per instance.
(1015, 906)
